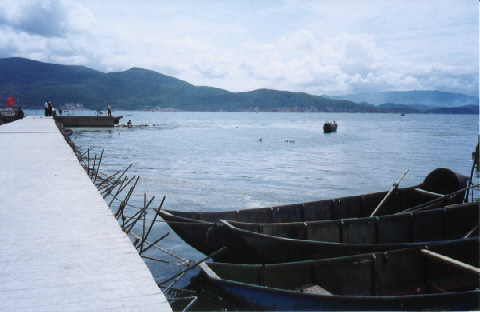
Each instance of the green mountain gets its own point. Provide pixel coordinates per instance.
(138, 88)
(430, 98)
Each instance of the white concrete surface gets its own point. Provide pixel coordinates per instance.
(61, 249)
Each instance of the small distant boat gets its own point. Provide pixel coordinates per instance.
(402, 114)
(330, 127)
(440, 277)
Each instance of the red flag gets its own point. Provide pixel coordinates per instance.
(10, 102)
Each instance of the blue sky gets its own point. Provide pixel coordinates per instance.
(318, 47)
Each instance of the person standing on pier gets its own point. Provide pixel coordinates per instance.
(49, 108)
(60, 111)
(46, 107)
(109, 107)
(20, 114)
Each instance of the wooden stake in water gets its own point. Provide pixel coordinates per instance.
(144, 218)
(93, 169)
(88, 163)
(98, 167)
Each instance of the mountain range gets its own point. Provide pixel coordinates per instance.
(429, 99)
(142, 89)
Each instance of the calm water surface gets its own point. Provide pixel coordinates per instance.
(216, 161)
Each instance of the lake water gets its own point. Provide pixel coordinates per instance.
(216, 161)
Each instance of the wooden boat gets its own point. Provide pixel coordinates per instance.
(328, 239)
(432, 277)
(198, 228)
(330, 127)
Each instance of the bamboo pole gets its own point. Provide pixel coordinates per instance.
(129, 182)
(131, 190)
(149, 258)
(150, 245)
(94, 161)
(100, 186)
(114, 184)
(175, 281)
(395, 186)
(116, 194)
(120, 188)
(160, 248)
(155, 218)
(130, 226)
(471, 175)
(140, 212)
(194, 300)
(98, 168)
(458, 264)
(221, 250)
(135, 218)
(475, 228)
(88, 166)
(144, 217)
(432, 203)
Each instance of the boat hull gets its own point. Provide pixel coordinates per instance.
(355, 236)
(261, 298)
(408, 279)
(330, 127)
(198, 229)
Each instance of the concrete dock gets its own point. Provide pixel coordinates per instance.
(61, 248)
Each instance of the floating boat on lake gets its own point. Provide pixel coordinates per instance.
(330, 127)
(328, 239)
(88, 121)
(198, 228)
(433, 277)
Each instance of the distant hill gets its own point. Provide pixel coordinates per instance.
(138, 88)
(430, 98)
(467, 109)
(142, 89)
(400, 108)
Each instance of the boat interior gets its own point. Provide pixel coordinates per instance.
(413, 271)
(446, 223)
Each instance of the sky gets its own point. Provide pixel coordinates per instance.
(318, 47)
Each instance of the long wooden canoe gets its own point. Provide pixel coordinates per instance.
(327, 239)
(432, 277)
(198, 230)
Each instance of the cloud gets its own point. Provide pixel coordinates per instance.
(322, 47)
(43, 18)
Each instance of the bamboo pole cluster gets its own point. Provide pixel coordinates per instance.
(114, 187)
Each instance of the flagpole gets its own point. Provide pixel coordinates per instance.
(15, 95)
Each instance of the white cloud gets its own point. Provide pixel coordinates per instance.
(325, 47)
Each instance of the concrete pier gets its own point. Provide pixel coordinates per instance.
(61, 248)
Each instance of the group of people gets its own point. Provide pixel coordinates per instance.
(50, 111)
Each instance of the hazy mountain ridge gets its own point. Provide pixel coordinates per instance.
(144, 89)
(429, 98)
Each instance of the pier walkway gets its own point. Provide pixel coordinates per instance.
(61, 249)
